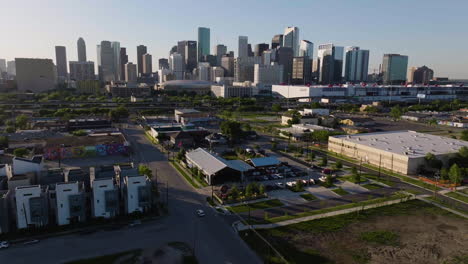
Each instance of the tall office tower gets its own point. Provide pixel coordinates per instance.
(277, 41)
(105, 56)
(123, 61)
(203, 42)
(176, 64)
(243, 47)
(204, 71)
(189, 54)
(147, 64)
(356, 65)
(173, 50)
(410, 77)
(421, 75)
(220, 50)
(291, 39)
(130, 72)
(329, 63)
(11, 68)
(301, 70)
(227, 62)
(244, 68)
(306, 48)
(216, 72)
(211, 59)
(249, 50)
(61, 62)
(36, 75)
(3, 66)
(394, 68)
(141, 50)
(163, 64)
(116, 50)
(284, 56)
(268, 56)
(82, 71)
(260, 48)
(230, 53)
(81, 47)
(268, 74)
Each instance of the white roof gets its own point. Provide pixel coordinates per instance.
(407, 143)
(211, 163)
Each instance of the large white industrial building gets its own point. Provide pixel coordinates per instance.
(399, 151)
(365, 92)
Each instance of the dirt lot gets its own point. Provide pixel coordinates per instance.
(412, 232)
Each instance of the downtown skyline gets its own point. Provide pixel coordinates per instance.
(163, 31)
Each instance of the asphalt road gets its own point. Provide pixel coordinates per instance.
(214, 239)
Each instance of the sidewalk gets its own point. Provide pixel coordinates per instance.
(241, 227)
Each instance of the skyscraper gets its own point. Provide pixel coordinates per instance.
(284, 56)
(244, 68)
(306, 48)
(249, 50)
(260, 48)
(301, 70)
(173, 50)
(81, 47)
(82, 71)
(130, 72)
(291, 39)
(227, 62)
(141, 50)
(421, 75)
(116, 51)
(356, 65)
(11, 68)
(188, 50)
(394, 68)
(176, 64)
(61, 62)
(220, 50)
(243, 47)
(147, 64)
(277, 41)
(203, 42)
(123, 61)
(329, 63)
(105, 56)
(3, 66)
(163, 63)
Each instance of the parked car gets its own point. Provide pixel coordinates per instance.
(280, 185)
(200, 213)
(265, 178)
(291, 184)
(327, 171)
(4, 244)
(134, 223)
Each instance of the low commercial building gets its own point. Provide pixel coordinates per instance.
(88, 123)
(121, 89)
(306, 119)
(31, 206)
(216, 169)
(184, 116)
(358, 121)
(315, 111)
(298, 131)
(186, 86)
(24, 165)
(229, 91)
(70, 198)
(399, 151)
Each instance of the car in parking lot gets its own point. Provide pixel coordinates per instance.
(200, 213)
(4, 244)
(280, 185)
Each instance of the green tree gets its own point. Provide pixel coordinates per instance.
(145, 170)
(181, 154)
(234, 192)
(324, 161)
(444, 174)
(261, 189)
(455, 174)
(79, 133)
(20, 152)
(3, 141)
(22, 121)
(118, 113)
(276, 108)
(432, 161)
(299, 185)
(396, 112)
(231, 129)
(10, 129)
(328, 181)
(312, 156)
(354, 170)
(464, 135)
(249, 190)
(357, 177)
(339, 165)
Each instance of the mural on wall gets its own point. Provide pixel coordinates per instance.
(56, 153)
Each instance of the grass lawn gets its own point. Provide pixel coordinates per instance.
(254, 206)
(328, 240)
(183, 173)
(381, 179)
(308, 197)
(109, 259)
(340, 191)
(458, 196)
(351, 178)
(371, 186)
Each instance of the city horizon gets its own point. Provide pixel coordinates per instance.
(442, 64)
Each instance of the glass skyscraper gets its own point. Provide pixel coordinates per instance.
(203, 42)
(394, 68)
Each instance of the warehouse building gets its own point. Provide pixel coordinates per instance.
(399, 151)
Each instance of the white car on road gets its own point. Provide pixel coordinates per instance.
(4, 244)
(200, 213)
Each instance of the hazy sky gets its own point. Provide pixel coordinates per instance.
(430, 32)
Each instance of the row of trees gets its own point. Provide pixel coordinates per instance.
(454, 170)
(251, 190)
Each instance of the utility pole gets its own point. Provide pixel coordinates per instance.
(167, 195)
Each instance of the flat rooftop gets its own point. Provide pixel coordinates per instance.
(408, 143)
